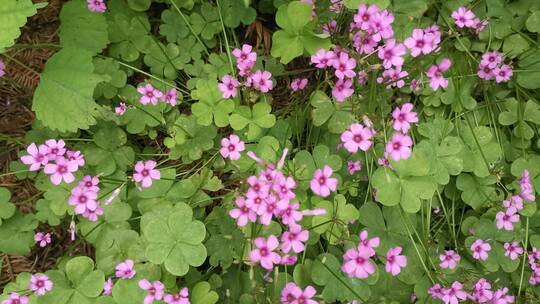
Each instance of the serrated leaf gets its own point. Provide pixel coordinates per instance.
(13, 14)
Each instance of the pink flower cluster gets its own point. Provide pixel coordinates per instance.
(57, 161)
(465, 18)
(481, 293)
(245, 60)
(492, 66)
(292, 294)
(505, 219)
(231, 147)
(156, 291)
(357, 261)
(400, 145)
(343, 70)
(97, 6)
(44, 239)
(153, 96)
(145, 172)
(84, 197)
(534, 262)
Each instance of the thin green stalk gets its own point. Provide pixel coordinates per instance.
(190, 27)
(524, 259)
(14, 172)
(233, 70)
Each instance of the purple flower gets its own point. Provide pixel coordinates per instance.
(149, 94)
(92, 215)
(228, 86)
(481, 292)
(89, 183)
(323, 58)
(514, 202)
(353, 166)
(292, 294)
(294, 239)
(393, 77)
(419, 42)
(449, 259)
(125, 270)
(75, 156)
(513, 250)
(491, 59)
(500, 297)
(291, 215)
(392, 54)
(436, 291)
(298, 84)
(502, 73)
(15, 298)
(480, 249)
(121, 109)
(2, 68)
(322, 184)
(61, 170)
(245, 55)
(365, 15)
(261, 81)
(344, 66)
(399, 147)
(43, 238)
(56, 149)
(463, 17)
(395, 261)
(342, 89)
(107, 287)
(368, 245)
(231, 147)
(453, 294)
(435, 73)
(283, 187)
(357, 137)
(40, 284)
(179, 298)
(36, 157)
(170, 97)
(242, 214)
(403, 117)
(264, 252)
(268, 208)
(505, 219)
(356, 263)
(97, 6)
(83, 200)
(145, 172)
(155, 290)
(525, 185)
(485, 72)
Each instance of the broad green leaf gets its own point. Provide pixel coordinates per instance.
(235, 11)
(17, 234)
(7, 209)
(165, 60)
(533, 22)
(255, 119)
(203, 294)
(211, 105)
(13, 14)
(477, 192)
(334, 222)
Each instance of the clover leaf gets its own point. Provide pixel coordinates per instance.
(305, 163)
(7, 209)
(203, 294)
(296, 32)
(211, 105)
(117, 76)
(174, 240)
(226, 241)
(477, 192)
(17, 234)
(445, 157)
(409, 182)
(164, 60)
(255, 119)
(128, 291)
(334, 222)
(207, 23)
(45, 214)
(236, 11)
(116, 247)
(480, 147)
(520, 114)
(190, 139)
(338, 115)
(129, 36)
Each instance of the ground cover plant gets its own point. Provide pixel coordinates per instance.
(275, 151)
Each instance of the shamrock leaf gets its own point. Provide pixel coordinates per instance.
(116, 247)
(63, 100)
(226, 241)
(211, 105)
(14, 14)
(111, 69)
(190, 139)
(44, 213)
(519, 114)
(409, 182)
(338, 115)
(206, 24)
(236, 11)
(306, 163)
(533, 22)
(444, 156)
(17, 234)
(7, 209)
(82, 29)
(255, 119)
(203, 294)
(334, 221)
(479, 148)
(165, 60)
(129, 36)
(114, 221)
(174, 240)
(529, 78)
(128, 291)
(297, 32)
(477, 191)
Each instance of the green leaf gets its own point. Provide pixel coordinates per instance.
(533, 22)
(323, 108)
(129, 35)
(165, 60)
(139, 5)
(211, 105)
(529, 77)
(17, 234)
(255, 119)
(7, 209)
(333, 222)
(82, 29)
(63, 100)
(514, 45)
(203, 294)
(193, 139)
(235, 11)
(13, 14)
(477, 192)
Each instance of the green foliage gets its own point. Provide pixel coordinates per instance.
(14, 14)
(7, 209)
(255, 119)
(211, 105)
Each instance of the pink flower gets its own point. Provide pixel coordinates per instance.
(481, 292)
(368, 245)
(15, 298)
(395, 261)
(180, 298)
(392, 54)
(393, 77)
(264, 252)
(364, 42)
(381, 26)
(231, 147)
(356, 263)
(436, 291)
(36, 157)
(292, 294)
(2, 68)
(40, 284)
(298, 84)
(344, 66)
(56, 149)
(145, 173)
(97, 6)
(92, 215)
(107, 287)
(479, 25)
(513, 250)
(322, 184)
(342, 90)
(323, 58)
(288, 260)
(505, 219)
(228, 86)
(43, 238)
(242, 214)
(170, 97)
(491, 59)
(357, 137)
(365, 15)
(514, 202)
(453, 294)
(155, 290)
(485, 72)
(294, 239)
(149, 95)
(399, 147)
(534, 279)
(283, 187)
(245, 55)
(353, 166)
(463, 17)
(449, 259)
(503, 73)
(267, 209)
(419, 42)
(435, 73)
(291, 215)
(403, 117)
(125, 270)
(121, 109)
(89, 183)
(525, 185)
(480, 249)
(500, 297)
(261, 81)
(83, 200)
(61, 170)
(75, 156)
